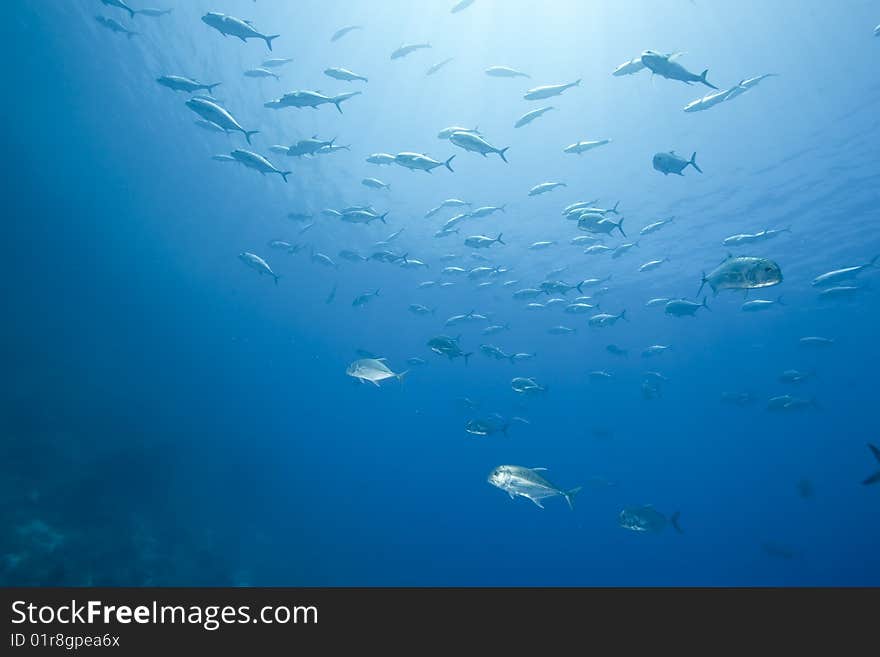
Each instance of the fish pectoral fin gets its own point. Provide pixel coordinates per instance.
(537, 502)
(512, 496)
(538, 469)
(375, 383)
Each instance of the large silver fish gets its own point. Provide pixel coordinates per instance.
(516, 480)
(646, 519)
(742, 273)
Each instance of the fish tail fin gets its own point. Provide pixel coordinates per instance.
(674, 518)
(276, 277)
(569, 496)
(623, 315)
(577, 83)
(376, 293)
(210, 87)
(779, 301)
(702, 284)
(502, 152)
(693, 162)
(401, 376)
(620, 226)
(382, 219)
(249, 133)
(269, 39)
(706, 305)
(284, 174)
(873, 261)
(705, 81)
(468, 355)
(336, 102)
(448, 163)
(578, 287)
(498, 239)
(614, 209)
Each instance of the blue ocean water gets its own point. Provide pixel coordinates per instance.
(172, 418)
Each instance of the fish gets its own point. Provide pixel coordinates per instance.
(258, 162)
(232, 26)
(487, 210)
(795, 376)
(709, 101)
(647, 519)
(526, 386)
(832, 278)
(343, 74)
(486, 427)
(742, 273)
(223, 158)
(461, 6)
(789, 403)
(210, 126)
(363, 299)
(654, 227)
(120, 4)
(600, 375)
(308, 146)
(470, 141)
(815, 341)
(579, 308)
(616, 351)
(751, 238)
(153, 12)
(605, 319)
(543, 188)
(419, 309)
(666, 67)
(322, 259)
(446, 133)
(505, 72)
(655, 350)
(652, 264)
(756, 305)
(419, 162)
(261, 73)
(306, 98)
(362, 217)
(182, 83)
(375, 183)
(840, 291)
(746, 85)
(549, 90)
(603, 226)
(561, 330)
(670, 162)
(211, 111)
(115, 26)
(684, 308)
(581, 147)
(482, 242)
(405, 50)
(622, 249)
(332, 295)
(436, 67)
(276, 62)
(443, 345)
(416, 361)
(874, 478)
(256, 263)
(373, 370)
(528, 117)
(496, 328)
(628, 68)
(519, 481)
(492, 351)
(381, 158)
(342, 31)
(521, 356)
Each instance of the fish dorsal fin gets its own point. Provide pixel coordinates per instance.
(672, 152)
(382, 360)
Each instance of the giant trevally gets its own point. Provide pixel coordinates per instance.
(256, 263)
(549, 90)
(373, 370)
(232, 26)
(519, 481)
(670, 162)
(742, 273)
(115, 26)
(580, 147)
(505, 72)
(182, 83)
(666, 67)
(646, 519)
(405, 50)
(343, 74)
(211, 111)
(420, 162)
(470, 141)
(833, 277)
(258, 162)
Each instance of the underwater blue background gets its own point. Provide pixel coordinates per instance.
(171, 418)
